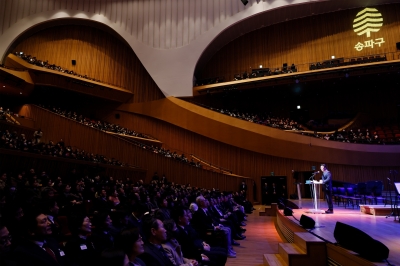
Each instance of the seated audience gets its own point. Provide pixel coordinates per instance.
(131, 243)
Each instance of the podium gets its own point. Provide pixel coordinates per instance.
(315, 187)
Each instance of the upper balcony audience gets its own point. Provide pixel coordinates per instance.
(105, 126)
(37, 62)
(11, 140)
(369, 135)
(101, 125)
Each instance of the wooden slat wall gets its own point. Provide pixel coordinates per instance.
(98, 55)
(242, 161)
(91, 140)
(302, 41)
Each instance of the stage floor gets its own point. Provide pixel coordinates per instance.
(385, 230)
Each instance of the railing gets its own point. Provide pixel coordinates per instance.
(13, 68)
(40, 63)
(213, 166)
(328, 63)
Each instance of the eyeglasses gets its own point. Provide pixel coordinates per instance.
(5, 239)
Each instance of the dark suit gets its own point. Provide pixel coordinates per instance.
(153, 256)
(202, 223)
(192, 247)
(29, 253)
(243, 187)
(327, 181)
(82, 251)
(103, 239)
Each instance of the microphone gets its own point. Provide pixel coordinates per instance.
(388, 178)
(316, 173)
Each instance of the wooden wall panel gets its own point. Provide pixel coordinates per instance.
(255, 164)
(303, 41)
(91, 140)
(98, 55)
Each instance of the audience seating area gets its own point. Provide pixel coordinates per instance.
(37, 62)
(7, 115)
(101, 125)
(371, 135)
(374, 135)
(94, 211)
(108, 127)
(33, 144)
(261, 119)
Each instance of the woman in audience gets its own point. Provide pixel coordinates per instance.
(80, 248)
(173, 248)
(131, 243)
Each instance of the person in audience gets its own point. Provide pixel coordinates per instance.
(38, 134)
(154, 254)
(6, 258)
(51, 209)
(203, 223)
(131, 243)
(104, 233)
(80, 247)
(163, 212)
(173, 248)
(38, 247)
(114, 256)
(192, 245)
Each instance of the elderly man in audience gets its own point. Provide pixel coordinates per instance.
(204, 224)
(192, 245)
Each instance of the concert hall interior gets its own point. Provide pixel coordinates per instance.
(145, 99)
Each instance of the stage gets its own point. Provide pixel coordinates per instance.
(385, 230)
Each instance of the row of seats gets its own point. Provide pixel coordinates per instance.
(361, 193)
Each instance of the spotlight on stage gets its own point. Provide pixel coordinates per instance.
(244, 2)
(307, 222)
(356, 240)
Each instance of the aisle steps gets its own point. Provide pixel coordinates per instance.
(306, 249)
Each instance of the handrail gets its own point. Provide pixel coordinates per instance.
(304, 67)
(13, 68)
(206, 163)
(45, 65)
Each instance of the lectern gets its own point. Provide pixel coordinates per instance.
(315, 188)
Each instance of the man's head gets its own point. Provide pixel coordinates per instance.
(180, 216)
(323, 167)
(37, 224)
(201, 202)
(154, 230)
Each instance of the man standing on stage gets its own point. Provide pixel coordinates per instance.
(327, 181)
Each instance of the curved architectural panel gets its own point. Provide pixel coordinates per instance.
(262, 139)
(167, 36)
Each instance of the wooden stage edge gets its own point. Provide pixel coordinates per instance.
(385, 230)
